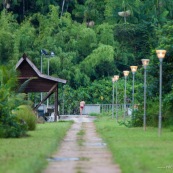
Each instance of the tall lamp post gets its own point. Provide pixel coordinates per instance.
(160, 54)
(126, 73)
(113, 81)
(124, 14)
(116, 77)
(44, 52)
(41, 62)
(51, 55)
(133, 69)
(145, 63)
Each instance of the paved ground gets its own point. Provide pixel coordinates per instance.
(82, 151)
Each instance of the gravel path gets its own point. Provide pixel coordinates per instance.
(82, 151)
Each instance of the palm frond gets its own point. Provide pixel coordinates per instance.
(23, 86)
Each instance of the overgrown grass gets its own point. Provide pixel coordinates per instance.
(135, 150)
(29, 154)
(80, 134)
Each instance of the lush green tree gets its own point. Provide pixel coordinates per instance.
(10, 126)
(104, 53)
(89, 54)
(7, 30)
(89, 10)
(24, 39)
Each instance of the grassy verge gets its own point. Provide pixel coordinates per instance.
(135, 150)
(28, 155)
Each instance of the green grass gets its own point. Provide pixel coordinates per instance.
(80, 135)
(135, 150)
(29, 154)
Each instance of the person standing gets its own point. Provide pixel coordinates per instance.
(82, 104)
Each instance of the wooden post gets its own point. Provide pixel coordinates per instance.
(54, 88)
(56, 104)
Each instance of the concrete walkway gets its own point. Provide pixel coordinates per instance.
(82, 151)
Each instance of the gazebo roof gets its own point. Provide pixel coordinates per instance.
(38, 82)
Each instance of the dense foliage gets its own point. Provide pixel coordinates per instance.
(25, 113)
(91, 43)
(10, 124)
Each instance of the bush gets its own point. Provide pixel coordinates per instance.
(25, 113)
(168, 109)
(151, 115)
(137, 118)
(152, 112)
(11, 127)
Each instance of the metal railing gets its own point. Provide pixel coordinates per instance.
(93, 108)
(108, 107)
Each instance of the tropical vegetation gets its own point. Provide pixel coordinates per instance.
(10, 125)
(92, 42)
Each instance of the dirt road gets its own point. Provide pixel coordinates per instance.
(82, 151)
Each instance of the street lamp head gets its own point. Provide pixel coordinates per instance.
(52, 54)
(145, 62)
(124, 13)
(133, 69)
(44, 52)
(161, 53)
(126, 73)
(116, 77)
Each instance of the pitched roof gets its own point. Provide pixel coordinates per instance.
(40, 82)
(38, 72)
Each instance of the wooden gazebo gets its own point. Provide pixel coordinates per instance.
(38, 82)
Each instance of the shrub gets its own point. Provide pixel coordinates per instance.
(168, 109)
(137, 118)
(25, 113)
(151, 115)
(11, 127)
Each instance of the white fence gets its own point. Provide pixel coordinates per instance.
(88, 109)
(100, 108)
(91, 108)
